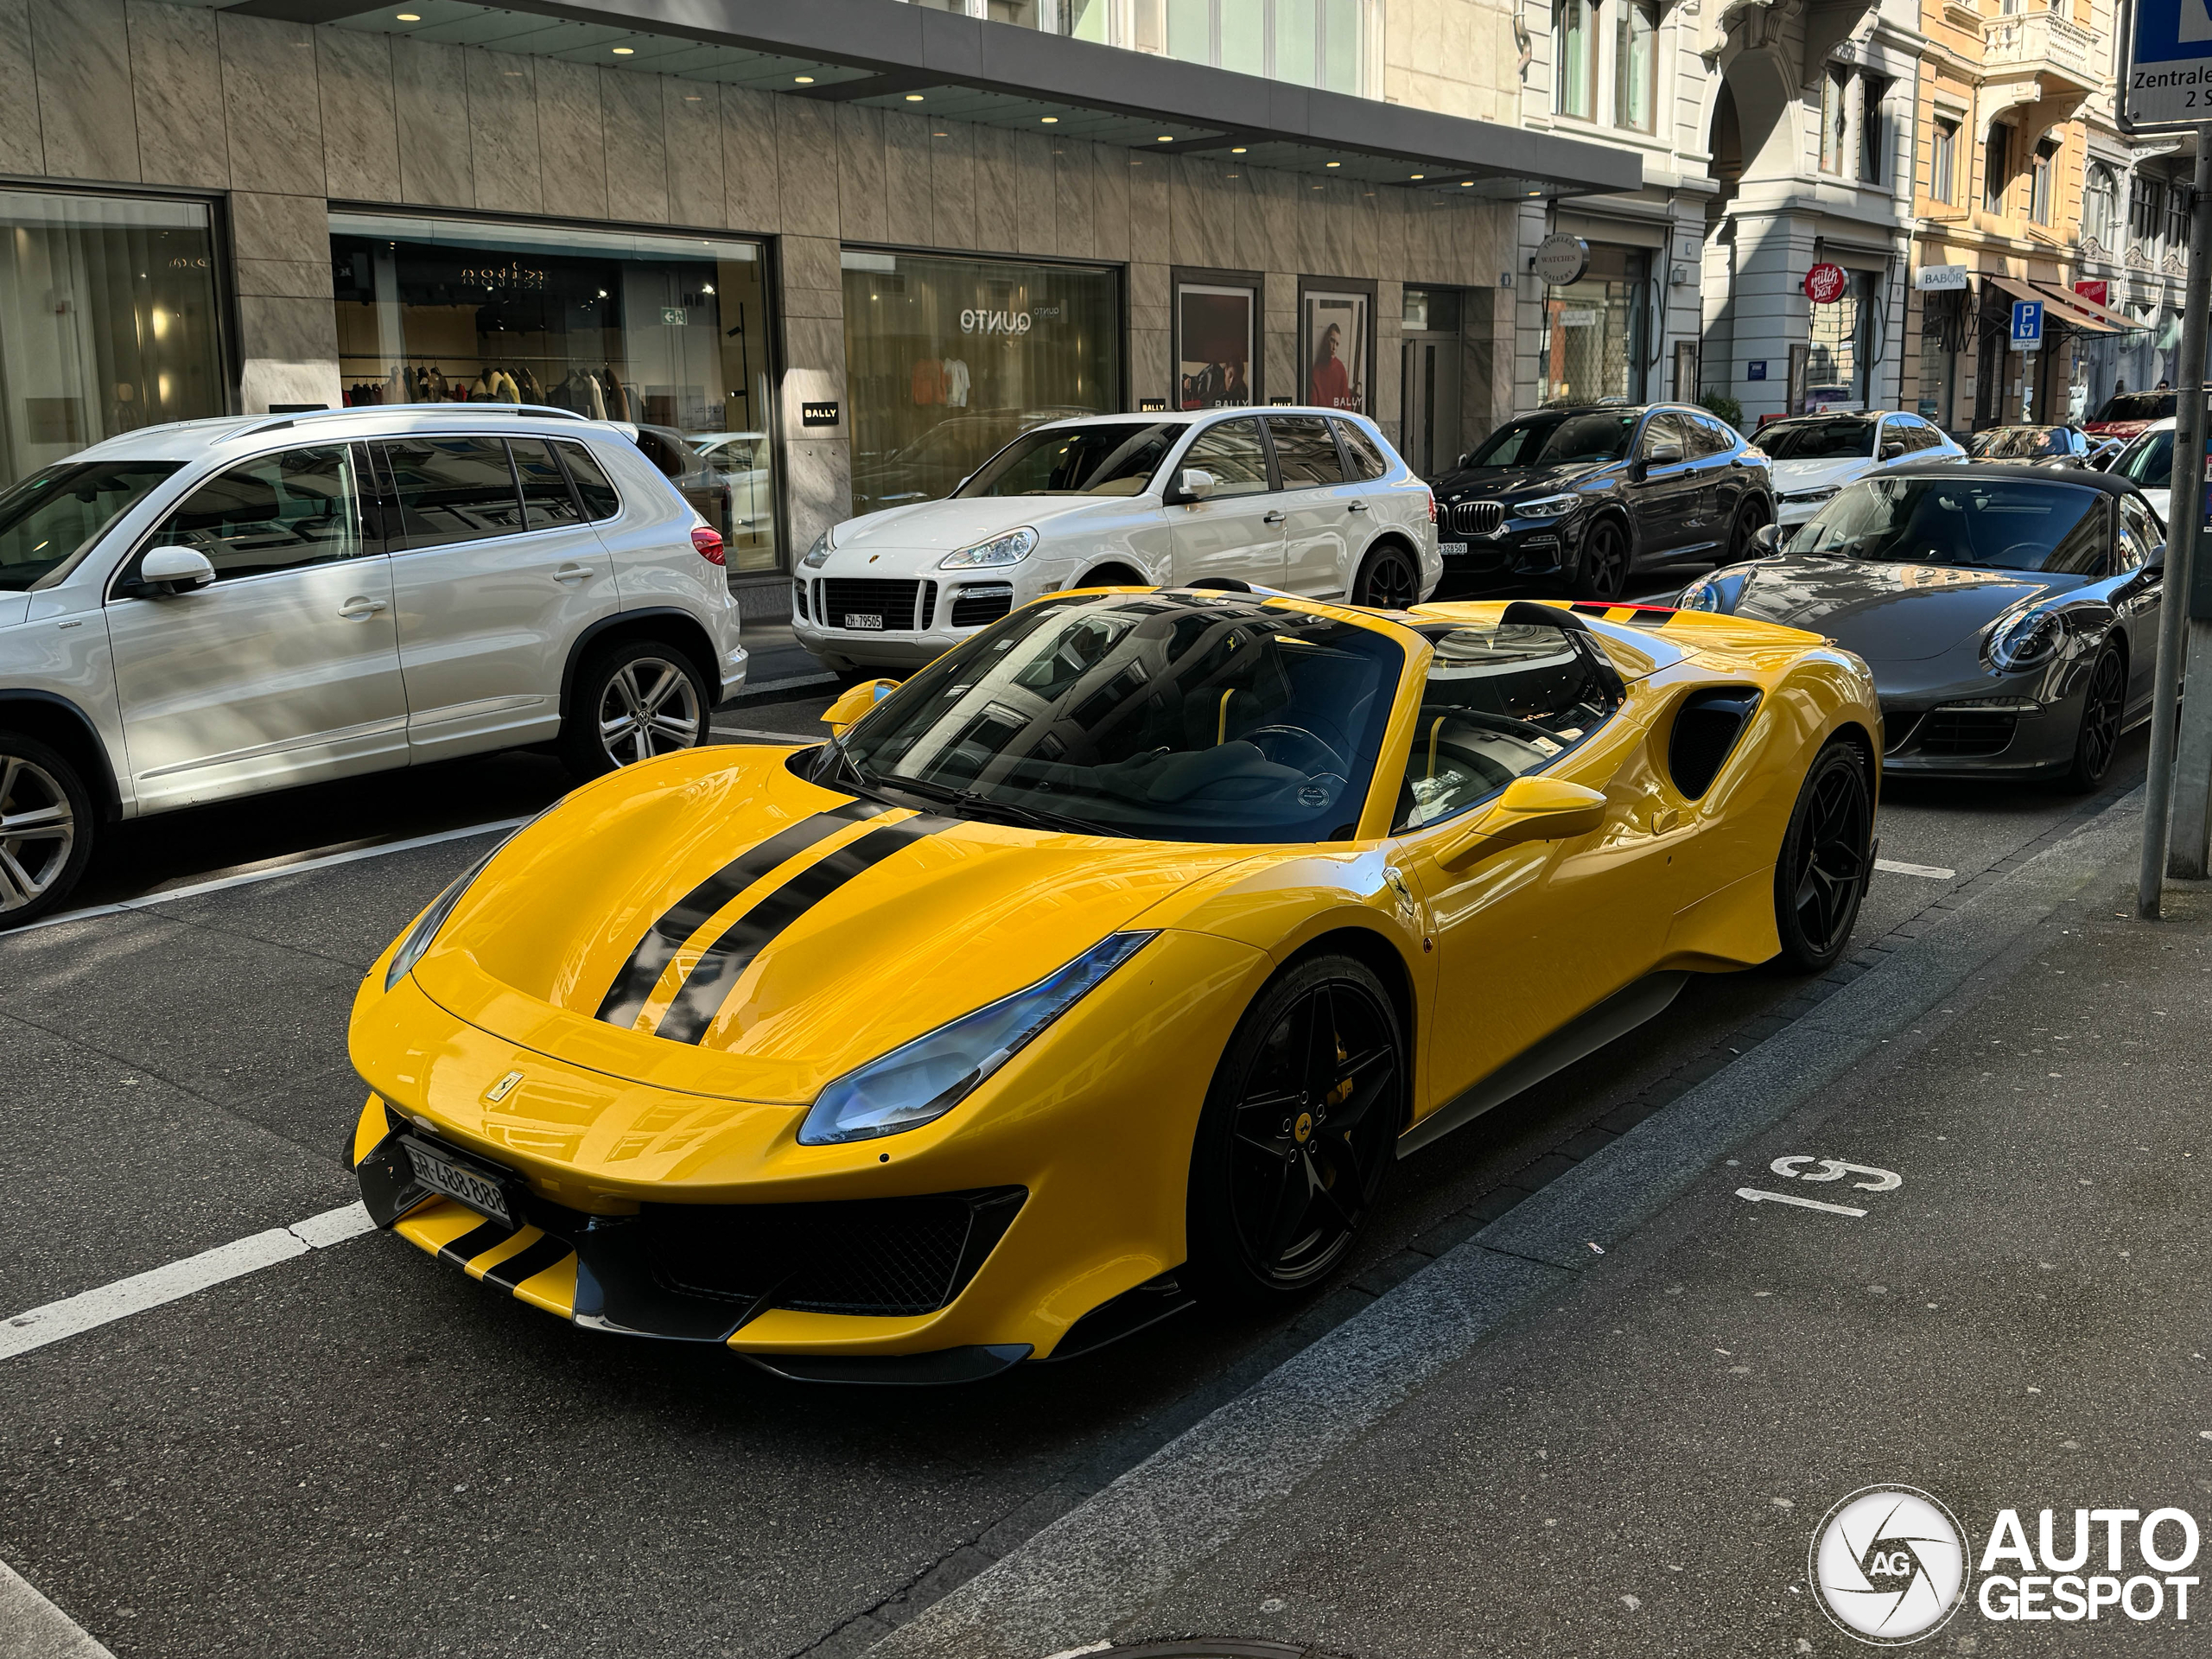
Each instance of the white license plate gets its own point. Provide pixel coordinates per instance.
(1453, 549)
(864, 620)
(482, 1194)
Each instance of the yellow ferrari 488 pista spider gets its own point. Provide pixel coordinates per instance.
(1107, 963)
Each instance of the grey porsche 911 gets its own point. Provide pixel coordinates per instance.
(2009, 612)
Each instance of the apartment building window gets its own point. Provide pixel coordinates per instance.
(1636, 65)
(1873, 128)
(1944, 162)
(2039, 176)
(1575, 77)
(2147, 210)
(2178, 218)
(1836, 117)
(1308, 42)
(2100, 207)
(1997, 167)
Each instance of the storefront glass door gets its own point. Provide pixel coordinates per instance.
(1598, 330)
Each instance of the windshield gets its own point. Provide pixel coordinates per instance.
(2149, 461)
(1557, 440)
(1170, 717)
(49, 516)
(1116, 460)
(2138, 406)
(1844, 439)
(1997, 523)
(2019, 443)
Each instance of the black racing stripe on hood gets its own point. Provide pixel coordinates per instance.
(720, 964)
(634, 985)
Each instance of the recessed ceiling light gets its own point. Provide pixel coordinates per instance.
(940, 135)
(913, 98)
(1166, 137)
(1050, 120)
(1336, 163)
(804, 81)
(1238, 150)
(1466, 184)
(625, 51)
(1420, 176)
(411, 17)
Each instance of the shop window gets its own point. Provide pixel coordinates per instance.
(670, 334)
(1598, 330)
(109, 321)
(1836, 369)
(1636, 65)
(1943, 162)
(1576, 59)
(2039, 182)
(1996, 168)
(947, 360)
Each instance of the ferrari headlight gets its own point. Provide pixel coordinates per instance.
(1010, 549)
(417, 939)
(921, 1081)
(1548, 506)
(2025, 640)
(818, 555)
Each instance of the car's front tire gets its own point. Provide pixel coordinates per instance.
(1604, 575)
(46, 823)
(630, 703)
(1752, 518)
(1828, 853)
(2104, 703)
(1298, 1134)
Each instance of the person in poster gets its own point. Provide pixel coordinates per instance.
(1336, 332)
(1213, 347)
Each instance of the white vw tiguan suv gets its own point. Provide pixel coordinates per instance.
(198, 612)
(1310, 501)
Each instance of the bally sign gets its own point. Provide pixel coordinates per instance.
(1824, 283)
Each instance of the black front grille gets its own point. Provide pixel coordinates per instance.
(1477, 518)
(869, 1256)
(799, 599)
(904, 605)
(973, 606)
(1967, 731)
(1898, 726)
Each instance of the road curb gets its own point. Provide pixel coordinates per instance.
(1072, 1582)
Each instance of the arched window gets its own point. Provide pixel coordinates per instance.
(2100, 207)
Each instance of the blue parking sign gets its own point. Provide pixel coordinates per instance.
(2027, 324)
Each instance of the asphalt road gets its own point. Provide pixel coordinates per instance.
(359, 1452)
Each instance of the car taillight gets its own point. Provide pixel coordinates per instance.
(709, 542)
(1431, 506)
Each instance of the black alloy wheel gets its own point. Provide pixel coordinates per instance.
(1604, 562)
(2104, 701)
(1388, 582)
(1298, 1134)
(1827, 857)
(1751, 518)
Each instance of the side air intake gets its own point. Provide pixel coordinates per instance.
(1707, 726)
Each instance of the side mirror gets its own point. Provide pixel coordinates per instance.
(1467, 459)
(1662, 455)
(1891, 449)
(1194, 484)
(175, 570)
(1767, 538)
(1531, 809)
(2156, 558)
(848, 709)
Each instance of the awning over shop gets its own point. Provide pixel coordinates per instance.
(2114, 322)
(877, 55)
(2058, 305)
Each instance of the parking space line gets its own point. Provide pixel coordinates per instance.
(1755, 1195)
(298, 867)
(1933, 872)
(174, 1281)
(34, 1628)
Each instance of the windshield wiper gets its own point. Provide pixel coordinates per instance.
(840, 770)
(985, 806)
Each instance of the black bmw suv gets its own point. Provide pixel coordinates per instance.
(1587, 493)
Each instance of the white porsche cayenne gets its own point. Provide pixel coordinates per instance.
(1310, 501)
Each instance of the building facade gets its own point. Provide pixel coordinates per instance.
(859, 242)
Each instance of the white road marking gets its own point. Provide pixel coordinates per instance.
(1933, 872)
(89, 1310)
(31, 1627)
(298, 866)
(1758, 1197)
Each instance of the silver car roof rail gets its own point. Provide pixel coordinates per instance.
(473, 412)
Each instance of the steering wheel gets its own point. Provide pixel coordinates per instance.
(1296, 748)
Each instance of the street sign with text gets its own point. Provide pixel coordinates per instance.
(2027, 326)
(2169, 64)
